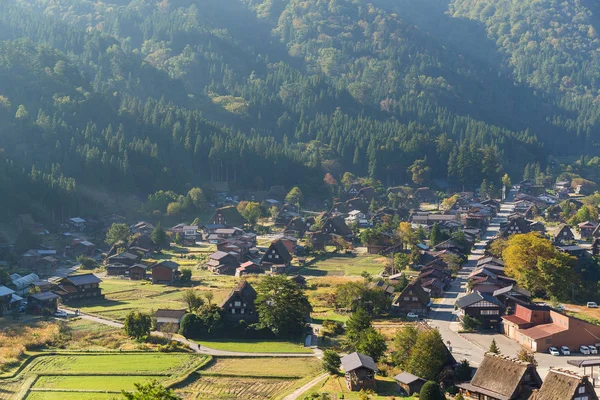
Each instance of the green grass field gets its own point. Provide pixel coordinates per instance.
(107, 383)
(256, 346)
(143, 364)
(346, 265)
(123, 296)
(103, 376)
(81, 375)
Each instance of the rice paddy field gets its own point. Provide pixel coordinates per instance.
(95, 376)
(104, 376)
(346, 265)
(248, 378)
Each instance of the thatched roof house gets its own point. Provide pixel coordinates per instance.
(502, 378)
(565, 385)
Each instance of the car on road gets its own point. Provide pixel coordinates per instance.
(560, 307)
(61, 314)
(593, 349)
(592, 304)
(584, 350)
(565, 351)
(554, 351)
(412, 315)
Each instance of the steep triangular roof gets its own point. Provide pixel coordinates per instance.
(502, 375)
(563, 385)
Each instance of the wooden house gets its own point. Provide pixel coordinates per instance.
(125, 258)
(164, 316)
(586, 229)
(485, 307)
(117, 269)
(228, 216)
(239, 305)
(409, 383)
(337, 225)
(165, 272)
(248, 268)
(563, 235)
(296, 227)
(80, 287)
(38, 302)
(516, 225)
(424, 195)
(502, 378)
(359, 371)
(142, 227)
(46, 265)
(276, 254)
(222, 263)
(412, 299)
(565, 385)
(138, 272)
(6, 296)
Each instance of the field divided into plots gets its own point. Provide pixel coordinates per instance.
(96, 376)
(104, 376)
(247, 378)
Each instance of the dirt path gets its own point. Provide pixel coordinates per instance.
(302, 389)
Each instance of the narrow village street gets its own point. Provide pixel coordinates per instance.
(472, 346)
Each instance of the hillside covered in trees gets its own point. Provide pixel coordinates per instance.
(130, 97)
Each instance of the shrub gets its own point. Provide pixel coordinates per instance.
(469, 323)
(431, 391)
(331, 361)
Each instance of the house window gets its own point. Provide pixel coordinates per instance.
(407, 298)
(415, 299)
(270, 255)
(581, 389)
(242, 311)
(489, 312)
(233, 310)
(582, 398)
(237, 303)
(276, 255)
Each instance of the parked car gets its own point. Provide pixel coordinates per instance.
(412, 315)
(584, 350)
(592, 304)
(61, 314)
(560, 307)
(565, 351)
(593, 349)
(554, 351)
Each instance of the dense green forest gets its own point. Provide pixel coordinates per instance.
(130, 97)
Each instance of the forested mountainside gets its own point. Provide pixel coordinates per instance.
(135, 96)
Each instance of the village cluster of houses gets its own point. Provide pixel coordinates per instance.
(37, 296)
(497, 378)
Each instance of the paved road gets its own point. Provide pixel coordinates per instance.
(442, 316)
(473, 346)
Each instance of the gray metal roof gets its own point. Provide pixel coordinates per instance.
(356, 360)
(407, 378)
(476, 297)
(84, 279)
(588, 362)
(4, 291)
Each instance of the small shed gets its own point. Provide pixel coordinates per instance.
(359, 371)
(409, 383)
